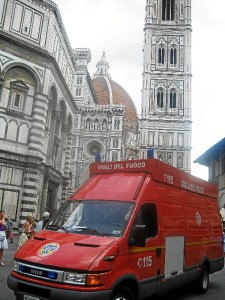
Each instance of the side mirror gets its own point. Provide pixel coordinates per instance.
(138, 236)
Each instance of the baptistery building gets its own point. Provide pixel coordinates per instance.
(54, 117)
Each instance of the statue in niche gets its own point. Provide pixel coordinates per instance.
(180, 161)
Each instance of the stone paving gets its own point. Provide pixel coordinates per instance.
(5, 292)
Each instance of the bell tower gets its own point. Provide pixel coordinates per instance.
(166, 117)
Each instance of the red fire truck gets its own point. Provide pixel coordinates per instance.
(134, 229)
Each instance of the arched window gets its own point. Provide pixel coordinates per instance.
(78, 91)
(161, 55)
(173, 56)
(79, 79)
(115, 143)
(173, 99)
(3, 128)
(12, 131)
(117, 124)
(160, 98)
(96, 124)
(87, 126)
(23, 134)
(104, 125)
(114, 156)
(168, 10)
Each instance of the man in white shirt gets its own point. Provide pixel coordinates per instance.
(41, 224)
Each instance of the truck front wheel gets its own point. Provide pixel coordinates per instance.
(123, 293)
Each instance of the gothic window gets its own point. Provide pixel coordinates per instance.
(88, 124)
(160, 99)
(93, 148)
(79, 79)
(155, 9)
(115, 143)
(117, 124)
(78, 91)
(161, 55)
(173, 56)
(114, 156)
(104, 125)
(168, 10)
(173, 99)
(96, 124)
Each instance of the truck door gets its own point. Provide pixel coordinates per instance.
(146, 260)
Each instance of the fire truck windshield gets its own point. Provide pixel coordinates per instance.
(94, 217)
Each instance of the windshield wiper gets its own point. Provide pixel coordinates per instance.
(52, 227)
(93, 230)
(84, 229)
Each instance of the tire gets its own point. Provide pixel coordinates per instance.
(123, 293)
(202, 283)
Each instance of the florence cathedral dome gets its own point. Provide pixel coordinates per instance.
(109, 92)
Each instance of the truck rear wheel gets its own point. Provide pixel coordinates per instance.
(202, 283)
(123, 293)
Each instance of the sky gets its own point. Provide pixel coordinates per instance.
(116, 27)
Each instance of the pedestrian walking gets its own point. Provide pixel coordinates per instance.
(27, 231)
(41, 224)
(9, 228)
(3, 239)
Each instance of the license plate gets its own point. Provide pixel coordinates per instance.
(27, 297)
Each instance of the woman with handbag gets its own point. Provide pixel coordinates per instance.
(27, 231)
(3, 239)
(9, 228)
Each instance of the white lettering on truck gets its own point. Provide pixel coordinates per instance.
(105, 167)
(192, 187)
(135, 165)
(144, 262)
(168, 178)
(118, 167)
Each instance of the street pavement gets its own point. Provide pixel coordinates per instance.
(5, 292)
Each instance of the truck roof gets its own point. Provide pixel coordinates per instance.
(160, 172)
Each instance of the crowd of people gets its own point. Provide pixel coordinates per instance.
(30, 227)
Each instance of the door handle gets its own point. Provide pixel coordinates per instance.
(158, 252)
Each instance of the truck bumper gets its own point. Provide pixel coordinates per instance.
(22, 288)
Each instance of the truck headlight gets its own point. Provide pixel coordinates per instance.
(74, 278)
(14, 265)
(83, 279)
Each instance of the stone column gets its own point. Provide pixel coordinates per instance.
(37, 132)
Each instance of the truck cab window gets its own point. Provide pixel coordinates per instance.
(147, 215)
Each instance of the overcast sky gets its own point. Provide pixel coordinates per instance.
(116, 27)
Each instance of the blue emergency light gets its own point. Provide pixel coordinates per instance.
(150, 153)
(52, 275)
(98, 157)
